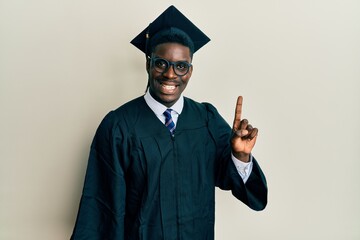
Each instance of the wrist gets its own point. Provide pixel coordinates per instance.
(244, 157)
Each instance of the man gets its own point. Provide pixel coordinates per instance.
(155, 161)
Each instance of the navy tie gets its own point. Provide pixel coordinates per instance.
(169, 122)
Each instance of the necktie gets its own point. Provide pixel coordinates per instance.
(169, 122)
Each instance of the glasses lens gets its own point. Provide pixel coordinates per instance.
(161, 65)
(181, 68)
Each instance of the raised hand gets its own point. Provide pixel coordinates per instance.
(244, 135)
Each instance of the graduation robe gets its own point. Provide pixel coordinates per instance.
(143, 183)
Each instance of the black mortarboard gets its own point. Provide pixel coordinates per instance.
(170, 18)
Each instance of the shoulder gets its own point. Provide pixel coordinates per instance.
(131, 107)
(216, 124)
(202, 107)
(124, 116)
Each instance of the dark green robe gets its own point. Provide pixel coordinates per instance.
(142, 183)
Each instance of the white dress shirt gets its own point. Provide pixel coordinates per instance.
(244, 169)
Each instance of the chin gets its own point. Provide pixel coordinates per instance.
(168, 102)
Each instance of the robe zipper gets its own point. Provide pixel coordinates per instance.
(176, 173)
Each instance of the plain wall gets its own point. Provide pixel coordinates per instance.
(64, 64)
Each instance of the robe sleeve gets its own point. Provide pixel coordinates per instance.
(102, 205)
(254, 192)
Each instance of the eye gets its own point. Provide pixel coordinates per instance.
(160, 63)
(182, 66)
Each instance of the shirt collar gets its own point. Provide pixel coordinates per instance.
(159, 108)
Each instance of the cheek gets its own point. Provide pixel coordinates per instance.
(185, 80)
(187, 77)
(152, 75)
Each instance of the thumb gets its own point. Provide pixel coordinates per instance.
(241, 132)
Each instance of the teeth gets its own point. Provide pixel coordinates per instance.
(167, 87)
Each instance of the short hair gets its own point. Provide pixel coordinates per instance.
(171, 35)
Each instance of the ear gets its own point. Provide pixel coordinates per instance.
(190, 71)
(147, 64)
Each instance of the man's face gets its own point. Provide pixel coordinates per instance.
(167, 87)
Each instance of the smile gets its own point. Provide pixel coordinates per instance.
(168, 89)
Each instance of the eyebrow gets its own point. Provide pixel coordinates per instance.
(155, 56)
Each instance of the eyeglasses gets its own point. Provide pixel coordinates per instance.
(161, 65)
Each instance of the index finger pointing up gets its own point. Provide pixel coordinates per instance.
(238, 110)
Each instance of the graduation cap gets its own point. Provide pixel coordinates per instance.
(171, 18)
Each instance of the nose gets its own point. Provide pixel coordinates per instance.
(170, 73)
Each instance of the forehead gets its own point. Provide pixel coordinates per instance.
(173, 52)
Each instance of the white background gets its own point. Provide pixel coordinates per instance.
(65, 63)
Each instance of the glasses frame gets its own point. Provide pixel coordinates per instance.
(169, 64)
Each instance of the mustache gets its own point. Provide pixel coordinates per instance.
(169, 81)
